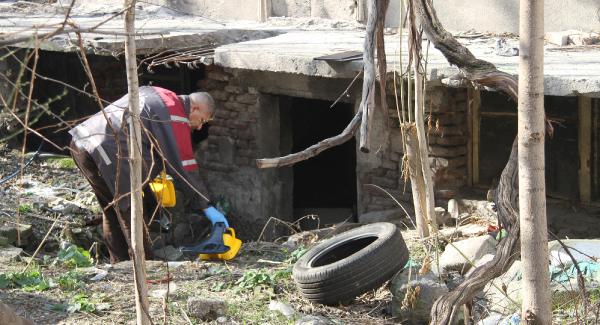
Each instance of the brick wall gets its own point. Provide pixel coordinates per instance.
(446, 108)
(448, 139)
(247, 127)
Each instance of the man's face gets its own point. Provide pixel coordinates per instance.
(199, 115)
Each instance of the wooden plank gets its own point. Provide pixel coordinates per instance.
(585, 148)
(469, 138)
(361, 8)
(263, 10)
(498, 114)
(595, 159)
(474, 100)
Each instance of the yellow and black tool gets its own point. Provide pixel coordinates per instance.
(220, 245)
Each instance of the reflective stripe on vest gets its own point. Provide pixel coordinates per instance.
(181, 119)
(180, 125)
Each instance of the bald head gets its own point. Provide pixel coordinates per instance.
(199, 98)
(202, 109)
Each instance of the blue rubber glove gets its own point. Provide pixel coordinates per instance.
(215, 216)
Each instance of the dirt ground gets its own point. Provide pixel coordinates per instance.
(51, 191)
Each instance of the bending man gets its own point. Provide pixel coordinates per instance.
(99, 149)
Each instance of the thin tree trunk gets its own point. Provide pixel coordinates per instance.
(416, 177)
(368, 88)
(423, 152)
(135, 169)
(532, 189)
(427, 189)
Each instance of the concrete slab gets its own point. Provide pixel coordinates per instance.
(568, 70)
(280, 45)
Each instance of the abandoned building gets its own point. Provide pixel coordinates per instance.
(278, 92)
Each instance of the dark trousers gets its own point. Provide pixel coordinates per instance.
(116, 225)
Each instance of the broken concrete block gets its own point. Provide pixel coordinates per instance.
(313, 320)
(10, 253)
(484, 259)
(3, 241)
(590, 39)
(441, 216)
(420, 302)
(168, 253)
(453, 257)
(381, 216)
(285, 309)
(558, 38)
(453, 209)
(206, 308)
(10, 232)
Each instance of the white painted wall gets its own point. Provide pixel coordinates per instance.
(503, 15)
(481, 15)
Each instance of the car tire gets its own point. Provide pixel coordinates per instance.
(351, 263)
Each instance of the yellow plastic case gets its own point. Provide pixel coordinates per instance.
(164, 190)
(229, 240)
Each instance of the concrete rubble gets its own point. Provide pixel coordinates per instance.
(415, 308)
(459, 255)
(206, 308)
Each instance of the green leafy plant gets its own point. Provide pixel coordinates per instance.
(74, 256)
(70, 281)
(296, 254)
(78, 303)
(64, 163)
(218, 286)
(261, 278)
(25, 208)
(28, 281)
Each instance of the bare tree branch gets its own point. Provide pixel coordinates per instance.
(315, 149)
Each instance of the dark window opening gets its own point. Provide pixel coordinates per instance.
(595, 158)
(326, 184)
(499, 129)
(72, 106)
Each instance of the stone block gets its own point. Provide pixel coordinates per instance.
(247, 99)
(453, 257)
(10, 253)
(450, 140)
(234, 106)
(385, 182)
(429, 290)
(10, 232)
(441, 216)
(453, 209)
(218, 75)
(234, 89)
(440, 151)
(219, 95)
(313, 320)
(206, 309)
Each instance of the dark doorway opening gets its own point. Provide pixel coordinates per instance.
(499, 129)
(325, 185)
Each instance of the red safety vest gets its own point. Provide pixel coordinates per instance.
(181, 128)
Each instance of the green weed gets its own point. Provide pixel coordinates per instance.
(74, 256)
(25, 208)
(253, 279)
(78, 303)
(64, 163)
(27, 281)
(71, 281)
